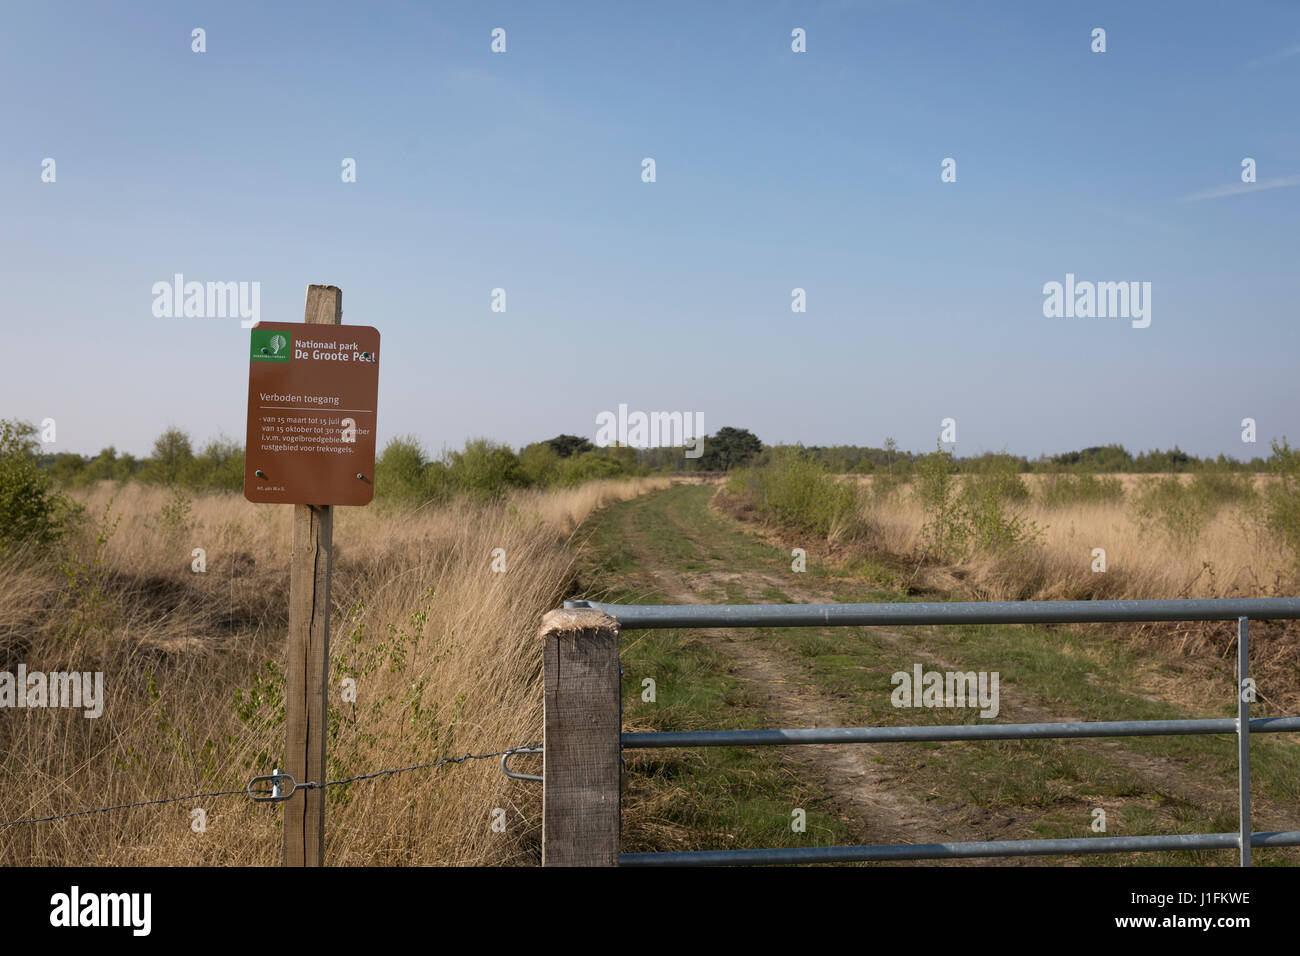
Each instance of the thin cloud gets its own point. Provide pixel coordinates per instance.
(1272, 58)
(1235, 189)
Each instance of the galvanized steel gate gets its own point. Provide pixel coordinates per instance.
(639, 617)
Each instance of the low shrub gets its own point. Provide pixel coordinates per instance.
(1062, 489)
(1281, 503)
(796, 490)
(983, 514)
(30, 510)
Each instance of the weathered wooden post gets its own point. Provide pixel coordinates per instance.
(306, 693)
(582, 723)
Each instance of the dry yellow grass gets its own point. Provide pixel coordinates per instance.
(442, 650)
(1230, 555)
(1208, 544)
(1229, 558)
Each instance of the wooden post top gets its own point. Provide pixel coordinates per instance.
(324, 305)
(570, 622)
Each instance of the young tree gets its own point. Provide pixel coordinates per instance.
(29, 509)
(172, 458)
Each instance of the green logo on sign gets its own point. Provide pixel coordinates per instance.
(270, 345)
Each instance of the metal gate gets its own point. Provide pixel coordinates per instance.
(640, 617)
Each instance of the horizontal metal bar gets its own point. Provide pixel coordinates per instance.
(956, 851)
(646, 616)
(866, 735)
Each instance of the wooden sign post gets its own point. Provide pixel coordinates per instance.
(312, 402)
(306, 693)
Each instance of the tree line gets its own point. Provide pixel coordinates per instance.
(405, 467)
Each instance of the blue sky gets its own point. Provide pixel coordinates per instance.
(775, 170)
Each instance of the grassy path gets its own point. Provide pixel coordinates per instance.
(672, 547)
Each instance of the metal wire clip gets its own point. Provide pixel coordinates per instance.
(276, 793)
(505, 768)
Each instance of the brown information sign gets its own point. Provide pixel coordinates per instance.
(312, 396)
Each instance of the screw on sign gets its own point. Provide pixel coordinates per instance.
(312, 393)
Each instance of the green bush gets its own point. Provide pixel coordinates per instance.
(172, 460)
(1215, 489)
(983, 514)
(219, 466)
(176, 517)
(795, 489)
(488, 469)
(402, 473)
(992, 499)
(30, 510)
(484, 468)
(540, 464)
(945, 532)
(67, 470)
(1282, 498)
(589, 466)
(996, 477)
(1167, 505)
(1060, 489)
(108, 466)
(1182, 510)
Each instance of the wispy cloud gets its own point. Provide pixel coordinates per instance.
(1292, 50)
(1235, 189)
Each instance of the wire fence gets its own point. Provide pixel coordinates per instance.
(275, 793)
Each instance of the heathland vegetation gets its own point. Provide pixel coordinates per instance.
(179, 598)
(988, 529)
(404, 470)
(157, 573)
